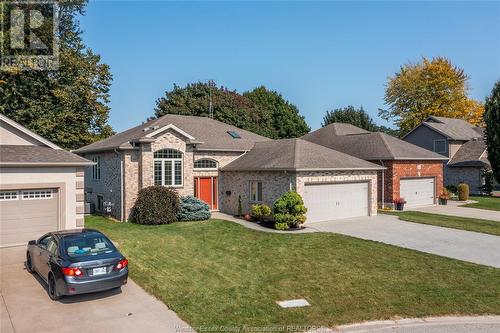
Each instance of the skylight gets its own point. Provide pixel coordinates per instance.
(234, 134)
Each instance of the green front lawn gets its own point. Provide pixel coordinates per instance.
(455, 222)
(490, 203)
(220, 273)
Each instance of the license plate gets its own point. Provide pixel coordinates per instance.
(99, 271)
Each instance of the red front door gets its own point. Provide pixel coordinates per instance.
(205, 189)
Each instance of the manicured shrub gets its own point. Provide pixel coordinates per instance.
(155, 205)
(259, 212)
(289, 209)
(193, 209)
(452, 189)
(463, 192)
(240, 208)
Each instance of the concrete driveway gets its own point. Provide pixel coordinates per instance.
(453, 208)
(458, 244)
(25, 306)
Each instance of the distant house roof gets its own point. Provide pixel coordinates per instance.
(368, 145)
(454, 129)
(206, 133)
(296, 155)
(471, 153)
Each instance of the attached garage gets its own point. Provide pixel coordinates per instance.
(418, 191)
(326, 202)
(27, 214)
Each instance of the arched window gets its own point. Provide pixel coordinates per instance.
(205, 163)
(168, 167)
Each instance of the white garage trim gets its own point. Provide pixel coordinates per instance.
(61, 202)
(418, 191)
(337, 200)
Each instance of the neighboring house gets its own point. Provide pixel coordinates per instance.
(41, 185)
(412, 173)
(460, 142)
(194, 156)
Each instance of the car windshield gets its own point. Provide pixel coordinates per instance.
(87, 244)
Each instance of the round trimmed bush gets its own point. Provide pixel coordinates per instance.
(289, 209)
(193, 209)
(155, 205)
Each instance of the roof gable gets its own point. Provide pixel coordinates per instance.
(25, 137)
(454, 129)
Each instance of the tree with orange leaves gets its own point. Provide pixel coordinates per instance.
(429, 88)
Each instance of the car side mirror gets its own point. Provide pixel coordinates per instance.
(32, 242)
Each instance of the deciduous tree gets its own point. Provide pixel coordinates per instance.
(430, 87)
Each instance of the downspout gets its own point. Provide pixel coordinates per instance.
(383, 185)
(122, 208)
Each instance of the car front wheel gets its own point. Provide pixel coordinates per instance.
(29, 263)
(53, 289)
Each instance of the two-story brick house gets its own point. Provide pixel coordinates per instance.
(461, 143)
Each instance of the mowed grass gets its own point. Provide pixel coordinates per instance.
(490, 203)
(455, 222)
(220, 273)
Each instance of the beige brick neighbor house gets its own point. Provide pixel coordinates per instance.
(41, 186)
(220, 163)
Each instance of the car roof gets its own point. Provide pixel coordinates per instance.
(73, 232)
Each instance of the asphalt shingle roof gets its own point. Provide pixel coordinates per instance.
(455, 129)
(213, 134)
(471, 153)
(11, 155)
(369, 145)
(294, 155)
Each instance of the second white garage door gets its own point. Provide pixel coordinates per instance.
(326, 202)
(417, 191)
(27, 215)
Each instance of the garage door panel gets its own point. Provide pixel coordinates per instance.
(336, 201)
(418, 191)
(25, 219)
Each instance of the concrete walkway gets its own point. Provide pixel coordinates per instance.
(469, 246)
(483, 324)
(453, 208)
(25, 306)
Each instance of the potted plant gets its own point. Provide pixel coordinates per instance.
(400, 203)
(444, 197)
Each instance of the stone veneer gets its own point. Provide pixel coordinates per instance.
(407, 169)
(274, 184)
(80, 196)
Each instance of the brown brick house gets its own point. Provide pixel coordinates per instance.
(219, 163)
(413, 173)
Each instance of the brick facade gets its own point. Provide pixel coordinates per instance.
(472, 176)
(407, 169)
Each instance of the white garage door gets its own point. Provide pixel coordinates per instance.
(326, 202)
(417, 191)
(27, 214)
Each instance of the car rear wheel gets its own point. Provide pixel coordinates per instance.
(53, 289)
(29, 263)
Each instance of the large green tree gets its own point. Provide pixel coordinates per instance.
(261, 111)
(492, 132)
(69, 105)
(430, 87)
(283, 118)
(357, 117)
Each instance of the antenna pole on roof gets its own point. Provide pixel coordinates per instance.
(210, 106)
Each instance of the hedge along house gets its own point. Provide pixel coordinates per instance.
(181, 152)
(333, 185)
(412, 172)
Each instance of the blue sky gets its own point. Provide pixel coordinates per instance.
(319, 55)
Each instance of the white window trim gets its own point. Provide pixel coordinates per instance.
(96, 168)
(14, 195)
(257, 196)
(172, 162)
(206, 169)
(434, 146)
(25, 195)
